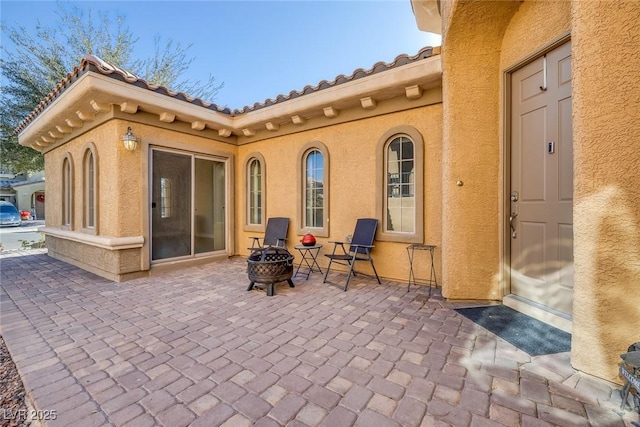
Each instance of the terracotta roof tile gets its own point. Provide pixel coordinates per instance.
(92, 63)
(359, 73)
(95, 64)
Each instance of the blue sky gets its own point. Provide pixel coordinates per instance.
(259, 49)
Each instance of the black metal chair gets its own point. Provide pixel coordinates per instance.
(359, 249)
(275, 234)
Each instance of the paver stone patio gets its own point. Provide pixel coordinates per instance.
(194, 347)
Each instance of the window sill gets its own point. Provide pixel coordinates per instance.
(89, 230)
(399, 237)
(317, 232)
(255, 228)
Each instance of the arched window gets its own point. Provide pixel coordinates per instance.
(400, 186)
(255, 184)
(313, 188)
(400, 177)
(67, 192)
(90, 190)
(254, 205)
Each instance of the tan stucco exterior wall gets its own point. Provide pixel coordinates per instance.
(119, 216)
(481, 40)
(122, 183)
(534, 26)
(76, 150)
(353, 162)
(606, 126)
(472, 39)
(117, 194)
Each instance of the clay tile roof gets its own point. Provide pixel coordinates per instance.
(92, 63)
(95, 64)
(400, 60)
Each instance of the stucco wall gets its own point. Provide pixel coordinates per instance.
(533, 26)
(117, 201)
(53, 187)
(606, 121)
(122, 183)
(113, 265)
(105, 140)
(472, 40)
(353, 161)
(481, 40)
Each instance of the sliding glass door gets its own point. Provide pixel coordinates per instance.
(188, 205)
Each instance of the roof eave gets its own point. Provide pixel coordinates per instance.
(426, 73)
(427, 13)
(94, 94)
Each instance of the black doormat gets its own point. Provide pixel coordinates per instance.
(528, 334)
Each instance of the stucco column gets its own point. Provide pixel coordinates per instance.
(472, 37)
(606, 127)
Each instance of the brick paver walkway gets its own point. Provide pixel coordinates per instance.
(193, 347)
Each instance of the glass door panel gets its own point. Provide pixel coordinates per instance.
(204, 236)
(219, 197)
(171, 211)
(209, 206)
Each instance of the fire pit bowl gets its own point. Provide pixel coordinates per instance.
(269, 266)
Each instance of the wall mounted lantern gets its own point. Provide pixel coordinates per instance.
(129, 140)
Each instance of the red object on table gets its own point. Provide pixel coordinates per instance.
(308, 240)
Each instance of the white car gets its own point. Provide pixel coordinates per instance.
(9, 215)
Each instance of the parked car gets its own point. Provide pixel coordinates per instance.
(9, 215)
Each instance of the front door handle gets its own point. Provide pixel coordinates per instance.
(513, 216)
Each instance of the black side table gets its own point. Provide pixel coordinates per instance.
(412, 277)
(309, 257)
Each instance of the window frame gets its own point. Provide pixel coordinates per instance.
(248, 226)
(302, 189)
(90, 190)
(417, 236)
(67, 192)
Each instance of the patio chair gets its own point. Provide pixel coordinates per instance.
(275, 234)
(359, 249)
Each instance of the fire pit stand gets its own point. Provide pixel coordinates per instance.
(269, 266)
(630, 371)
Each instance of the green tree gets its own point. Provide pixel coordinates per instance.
(32, 65)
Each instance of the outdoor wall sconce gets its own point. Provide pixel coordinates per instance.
(129, 140)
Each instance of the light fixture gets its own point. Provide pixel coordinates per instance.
(129, 140)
